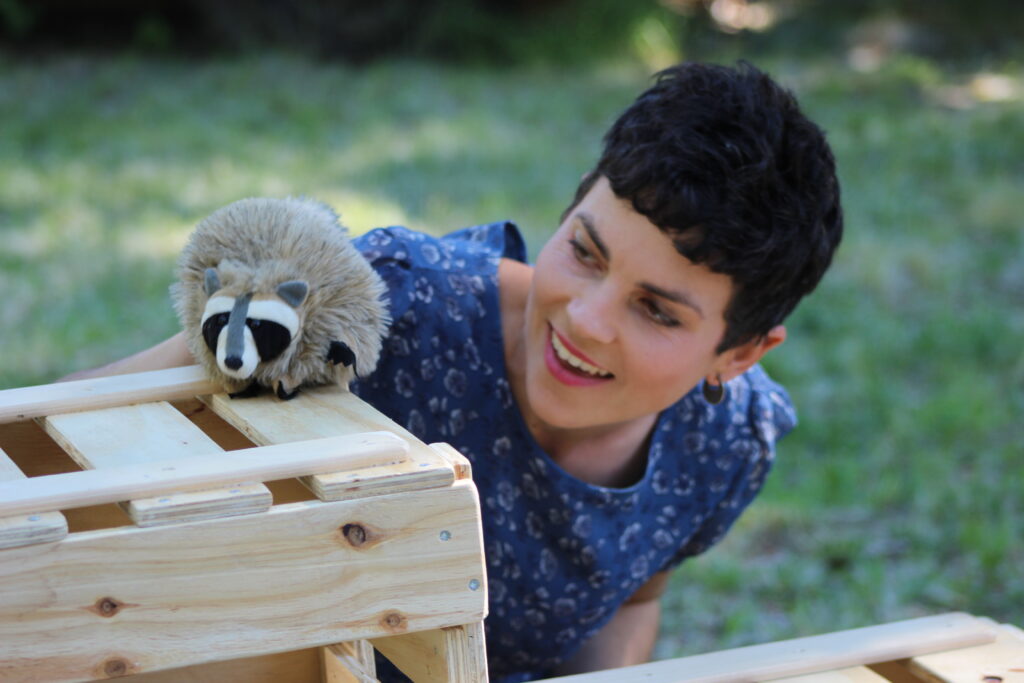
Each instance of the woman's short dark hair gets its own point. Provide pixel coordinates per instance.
(723, 160)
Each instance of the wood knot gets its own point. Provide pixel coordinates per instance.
(115, 667)
(355, 534)
(106, 607)
(394, 622)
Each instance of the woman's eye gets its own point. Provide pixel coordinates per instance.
(655, 313)
(580, 251)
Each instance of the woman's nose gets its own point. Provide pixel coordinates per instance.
(591, 315)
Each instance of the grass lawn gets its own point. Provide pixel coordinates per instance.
(900, 493)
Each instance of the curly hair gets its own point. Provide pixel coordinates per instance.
(723, 161)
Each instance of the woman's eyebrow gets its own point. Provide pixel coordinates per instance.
(678, 297)
(588, 224)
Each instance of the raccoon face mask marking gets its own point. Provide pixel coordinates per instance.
(242, 333)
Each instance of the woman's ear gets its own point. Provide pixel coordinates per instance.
(739, 359)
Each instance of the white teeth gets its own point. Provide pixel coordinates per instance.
(572, 360)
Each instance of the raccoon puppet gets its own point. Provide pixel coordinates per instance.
(272, 293)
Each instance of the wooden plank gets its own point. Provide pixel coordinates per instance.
(329, 411)
(142, 599)
(299, 666)
(129, 435)
(103, 392)
(93, 487)
(1002, 660)
(36, 454)
(799, 656)
(350, 662)
(448, 655)
(460, 463)
(855, 674)
(26, 529)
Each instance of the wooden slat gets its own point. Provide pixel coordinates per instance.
(142, 599)
(460, 463)
(449, 655)
(131, 435)
(855, 674)
(26, 529)
(826, 652)
(1002, 660)
(196, 473)
(350, 662)
(329, 411)
(300, 666)
(103, 392)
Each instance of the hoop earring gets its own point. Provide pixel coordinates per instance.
(713, 393)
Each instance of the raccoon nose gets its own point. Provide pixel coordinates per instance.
(233, 362)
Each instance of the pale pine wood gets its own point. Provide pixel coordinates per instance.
(142, 599)
(1002, 660)
(329, 411)
(130, 435)
(460, 463)
(300, 666)
(35, 454)
(449, 655)
(855, 674)
(93, 487)
(826, 652)
(103, 392)
(20, 530)
(348, 663)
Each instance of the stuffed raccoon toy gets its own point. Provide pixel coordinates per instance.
(272, 293)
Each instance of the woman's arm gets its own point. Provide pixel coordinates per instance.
(170, 353)
(628, 638)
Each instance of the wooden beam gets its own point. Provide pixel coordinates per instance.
(854, 674)
(350, 662)
(26, 529)
(299, 666)
(826, 652)
(448, 655)
(302, 575)
(92, 487)
(137, 434)
(103, 392)
(332, 410)
(1002, 660)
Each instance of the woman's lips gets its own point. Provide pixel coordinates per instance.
(562, 372)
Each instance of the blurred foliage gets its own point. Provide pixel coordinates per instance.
(519, 32)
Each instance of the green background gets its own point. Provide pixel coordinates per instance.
(899, 495)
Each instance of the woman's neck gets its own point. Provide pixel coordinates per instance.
(610, 455)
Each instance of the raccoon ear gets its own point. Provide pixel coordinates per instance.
(211, 281)
(293, 292)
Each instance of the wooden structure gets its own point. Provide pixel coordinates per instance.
(949, 648)
(148, 533)
(198, 556)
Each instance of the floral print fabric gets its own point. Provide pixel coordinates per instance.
(561, 554)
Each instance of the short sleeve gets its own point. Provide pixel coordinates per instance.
(400, 256)
(759, 415)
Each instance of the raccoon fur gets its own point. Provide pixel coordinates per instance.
(272, 293)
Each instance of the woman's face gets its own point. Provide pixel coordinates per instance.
(619, 325)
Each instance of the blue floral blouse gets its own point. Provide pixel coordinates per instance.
(561, 554)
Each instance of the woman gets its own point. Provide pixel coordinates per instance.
(609, 397)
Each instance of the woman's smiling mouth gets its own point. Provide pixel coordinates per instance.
(568, 367)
